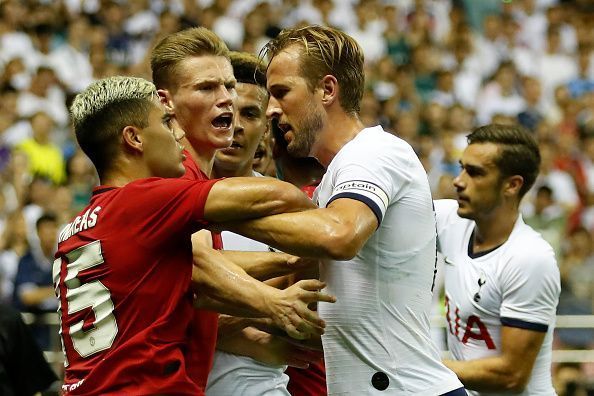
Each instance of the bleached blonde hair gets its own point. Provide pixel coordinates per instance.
(101, 111)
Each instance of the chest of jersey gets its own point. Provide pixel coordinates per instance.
(473, 297)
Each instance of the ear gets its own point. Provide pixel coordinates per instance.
(132, 139)
(166, 100)
(329, 86)
(512, 185)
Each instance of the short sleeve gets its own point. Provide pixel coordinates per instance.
(167, 207)
(372, 174)
(530, 289)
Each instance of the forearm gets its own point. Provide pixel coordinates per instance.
(239, 198)
(228, 287)
(229, 326)
(303, 234)
(244, 342)
(263, 265)
(492, 374)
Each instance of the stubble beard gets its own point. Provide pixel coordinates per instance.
(304, 139)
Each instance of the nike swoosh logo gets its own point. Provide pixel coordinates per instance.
(447, 261)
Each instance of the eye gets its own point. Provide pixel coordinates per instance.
(250, 114)
(279, 93)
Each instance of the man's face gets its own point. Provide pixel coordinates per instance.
(298, 109)
(160, 142)
(202, 100)
(249, 126)
(479, 184)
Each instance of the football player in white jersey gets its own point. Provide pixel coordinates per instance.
(501, 278)
(233, 372)
(375, 222)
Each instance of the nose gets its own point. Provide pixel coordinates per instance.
(273, 110)
(226, 96)
(458, 182)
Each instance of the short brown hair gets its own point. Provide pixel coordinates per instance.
(176, 47)
(248, 68)
(518, 154)
(326, 51)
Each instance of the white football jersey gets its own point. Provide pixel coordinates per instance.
(516, 284)
(240, 375)
(377, 338)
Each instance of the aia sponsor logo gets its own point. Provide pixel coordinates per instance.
(474, 328)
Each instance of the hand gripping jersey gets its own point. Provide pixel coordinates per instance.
(122, 275)
(516, 284)
(377, 338)
(240, 375)
(204, 324)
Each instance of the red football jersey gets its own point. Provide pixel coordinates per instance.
(310, 381)
(204, 326)
(122, 275)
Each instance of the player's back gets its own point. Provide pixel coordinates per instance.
(123, 272)
(377, 334)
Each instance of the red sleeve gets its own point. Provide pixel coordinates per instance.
(174, 206)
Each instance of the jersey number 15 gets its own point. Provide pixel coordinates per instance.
(93, 332)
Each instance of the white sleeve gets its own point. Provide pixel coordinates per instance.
(373, 177)
(530, 289)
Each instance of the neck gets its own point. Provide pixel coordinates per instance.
(493, 230)
(331, 140)
(203, 156)
(124, 171)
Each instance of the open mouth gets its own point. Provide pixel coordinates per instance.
(223, 121)
(235, 145)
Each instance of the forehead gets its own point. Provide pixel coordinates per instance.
(480, 155)
(207, 67)
(284, 67)
(251, 95)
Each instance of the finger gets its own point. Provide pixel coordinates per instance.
(311, 329)
(315, 296)
(309, 316)
(310, 284)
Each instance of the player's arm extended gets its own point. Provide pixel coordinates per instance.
(266, 265)
(239, 198)
(508, 372)
(337, 232)
(268, 348)
(229, 286)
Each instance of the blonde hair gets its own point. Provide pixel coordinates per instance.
(101, 111)
(176, 47)
(326, 51)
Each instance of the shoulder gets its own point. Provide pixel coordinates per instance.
(379, 142)
(529, 255)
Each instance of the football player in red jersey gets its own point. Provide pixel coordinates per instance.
(123, 267)
(195, 81)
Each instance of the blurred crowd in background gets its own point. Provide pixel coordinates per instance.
(435, 69)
